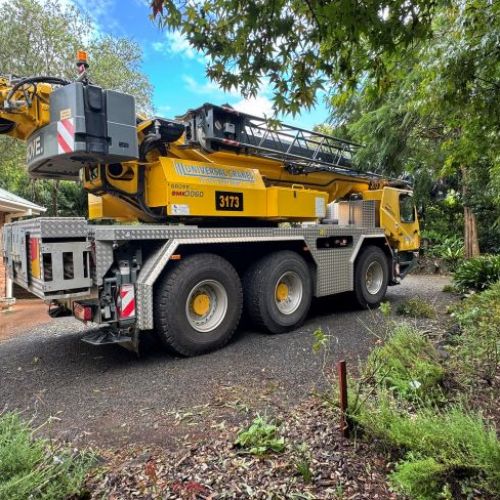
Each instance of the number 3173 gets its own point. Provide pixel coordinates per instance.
(228, 200)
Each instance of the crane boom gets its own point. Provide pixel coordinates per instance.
(301, 150)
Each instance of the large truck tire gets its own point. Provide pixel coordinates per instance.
(371, 276)
(278, 291)
(198, 304)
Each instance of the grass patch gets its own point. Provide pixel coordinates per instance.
(450, 289)
(31, 468)
(302, 463)
(260, 438)
(416, 307)
(444, 451)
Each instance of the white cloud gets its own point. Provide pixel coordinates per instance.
(200, 88)
(257, 106)
(97, 9)
(177, 44)
(158, 46)
(100, 13)
(208, 88)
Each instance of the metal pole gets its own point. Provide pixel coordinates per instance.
(342, 372)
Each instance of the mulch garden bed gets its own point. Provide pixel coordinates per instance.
(212, 467)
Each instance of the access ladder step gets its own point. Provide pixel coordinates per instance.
(104, 337)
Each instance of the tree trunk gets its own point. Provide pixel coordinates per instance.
(471, 242)
(55, 189)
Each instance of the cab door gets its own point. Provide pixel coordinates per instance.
(398, 217)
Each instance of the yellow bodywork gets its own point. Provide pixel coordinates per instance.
(27, 119)
(204, 189)
(404, 235)
(230, 185)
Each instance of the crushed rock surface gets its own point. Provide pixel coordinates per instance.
(107, 397)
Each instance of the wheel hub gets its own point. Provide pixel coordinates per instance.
(201, 304)
(288, 292)
(374, 277)
(207, 305)
(282, 291)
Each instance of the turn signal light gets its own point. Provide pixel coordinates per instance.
(81, 55)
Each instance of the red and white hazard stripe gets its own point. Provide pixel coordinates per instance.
(126, 303)
(65, 136)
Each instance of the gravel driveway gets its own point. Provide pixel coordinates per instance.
(107, 396)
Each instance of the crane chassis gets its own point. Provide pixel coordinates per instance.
(212, 213)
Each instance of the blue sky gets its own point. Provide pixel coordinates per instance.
(174, 68)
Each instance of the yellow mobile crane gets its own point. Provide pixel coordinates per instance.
(232, 213)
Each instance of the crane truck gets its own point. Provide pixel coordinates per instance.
(194, 220)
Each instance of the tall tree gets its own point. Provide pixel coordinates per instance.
(418, 82)
(300, 46)
(438, 109)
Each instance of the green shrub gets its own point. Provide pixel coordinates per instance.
(385, 308)
(407, 364)
(260, 438)
(419, 478)
(450, 249)
(416, 307)
(447, 451)
(452, 447)
(478, 273)
(477, 349)
(29, 468)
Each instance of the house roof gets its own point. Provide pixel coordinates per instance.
(11, 203)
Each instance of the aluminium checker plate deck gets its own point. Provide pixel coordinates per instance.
(335, 266)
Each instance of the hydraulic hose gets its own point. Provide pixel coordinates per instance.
(35, 79)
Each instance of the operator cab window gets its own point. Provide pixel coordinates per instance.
(406, 208)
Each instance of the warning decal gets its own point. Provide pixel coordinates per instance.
(127, 302)
(65, 136)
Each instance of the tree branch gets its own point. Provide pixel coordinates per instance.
(316, 19)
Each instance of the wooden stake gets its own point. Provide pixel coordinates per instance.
(342, 372)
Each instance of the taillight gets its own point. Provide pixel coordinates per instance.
(82, 312)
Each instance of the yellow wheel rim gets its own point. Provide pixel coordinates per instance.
(282, 292)
(206, 306)
(201, 304)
